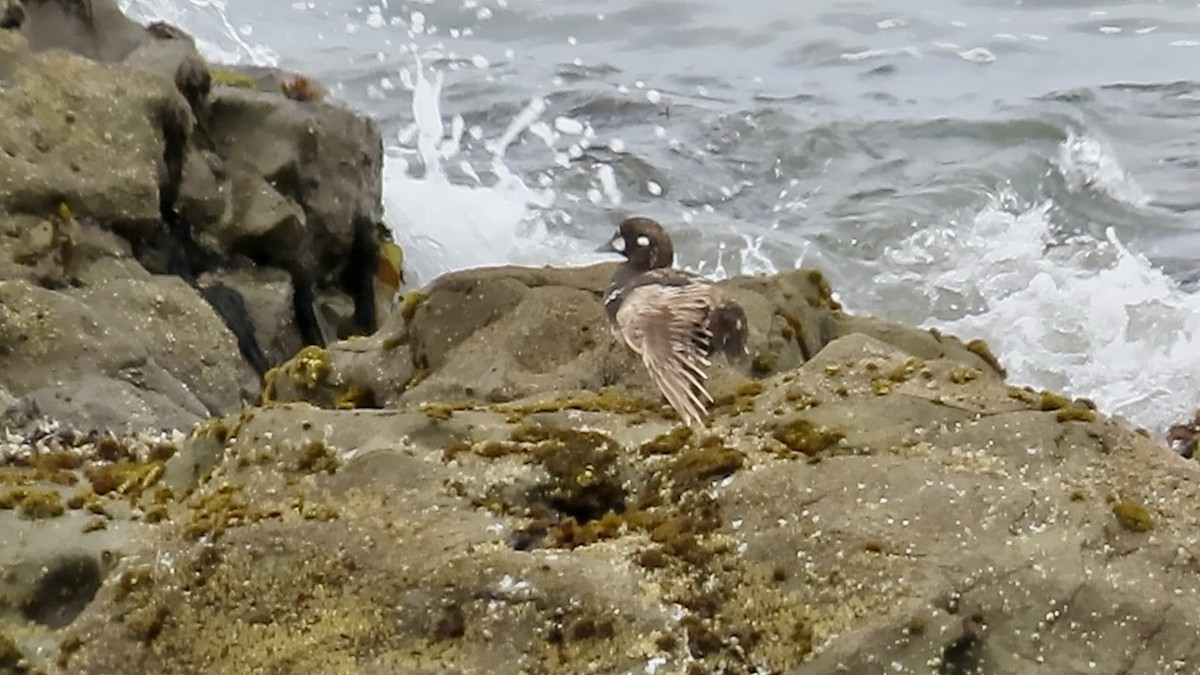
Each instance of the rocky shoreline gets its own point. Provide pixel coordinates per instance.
(224, 452)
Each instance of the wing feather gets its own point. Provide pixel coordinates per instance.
(667, 327)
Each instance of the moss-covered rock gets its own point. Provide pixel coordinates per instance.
(33, 503)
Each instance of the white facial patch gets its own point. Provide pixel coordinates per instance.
(618, 244)
(643, 240)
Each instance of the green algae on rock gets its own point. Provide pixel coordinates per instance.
(1133, 517)
(824, 292)
(904, 371)
(800, 399)
(409, 304)
(126, 478)
(571, 534)
(438, 412)
(229, 78)
(1065, 409)
(354, 397)
(309, 368)
(1075, 414)
(1052, 401)
(33, 503)
(316, 457)
(802, 436)
(610, 400)
(303, 377)
(214, 512)
(963, 374)
(742, 399)
(668, 443)
(694, 467)
(983, 351)
(584, 481)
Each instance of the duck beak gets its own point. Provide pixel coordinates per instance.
(607, 247)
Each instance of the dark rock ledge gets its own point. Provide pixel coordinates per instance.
(489, 483)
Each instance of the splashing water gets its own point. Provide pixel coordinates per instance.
(1086, 163)
(1087, 317)
(444, 225)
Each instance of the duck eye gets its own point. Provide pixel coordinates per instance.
(618, 244)
(643, 240)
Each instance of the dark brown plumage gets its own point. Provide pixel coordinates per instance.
(673, 319)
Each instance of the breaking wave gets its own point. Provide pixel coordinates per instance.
(1081, 315)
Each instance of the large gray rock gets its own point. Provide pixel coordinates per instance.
(126, 351)
(868, 511)
(501, 334)
(237, 211)
(317, 166)
(868, 494)
(95, 29)
(83, 133)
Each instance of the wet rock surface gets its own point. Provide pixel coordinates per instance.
(824, 522)
(887, 504)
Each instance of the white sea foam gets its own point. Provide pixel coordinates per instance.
(1086, 163)
(1089, 317)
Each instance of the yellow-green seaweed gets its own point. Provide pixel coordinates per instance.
(1133, 517)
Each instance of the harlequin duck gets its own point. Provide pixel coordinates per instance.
(1185, 438)
(673, 319)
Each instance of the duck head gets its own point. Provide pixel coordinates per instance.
(643, 242)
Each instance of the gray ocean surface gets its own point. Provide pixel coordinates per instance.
(1025, 172)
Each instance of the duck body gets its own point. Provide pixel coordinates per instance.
(675, 320)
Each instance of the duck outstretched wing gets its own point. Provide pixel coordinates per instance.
(667, 326)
